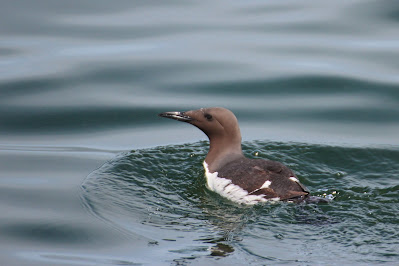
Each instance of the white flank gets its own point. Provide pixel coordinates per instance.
(294, 179)
(266, 184)
(227, 189)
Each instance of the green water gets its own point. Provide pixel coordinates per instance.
(159, 195)
(89, 175)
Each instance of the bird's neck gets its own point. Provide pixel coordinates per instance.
(222, 152)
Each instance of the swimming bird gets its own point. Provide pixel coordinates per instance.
(229, 173)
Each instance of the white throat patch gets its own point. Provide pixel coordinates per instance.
(227, 189)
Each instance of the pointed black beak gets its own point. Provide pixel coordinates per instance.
(179, 116)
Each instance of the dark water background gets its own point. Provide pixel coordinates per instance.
(89, 175)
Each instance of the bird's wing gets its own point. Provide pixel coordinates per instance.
(280, 180)
(262, 177)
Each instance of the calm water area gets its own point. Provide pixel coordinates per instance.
(90, 175)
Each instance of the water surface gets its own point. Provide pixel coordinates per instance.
(91, 176)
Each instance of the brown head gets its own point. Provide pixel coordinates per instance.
(221, 127)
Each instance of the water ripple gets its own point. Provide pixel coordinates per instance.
(160, 193)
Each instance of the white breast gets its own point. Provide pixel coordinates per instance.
(227, 189)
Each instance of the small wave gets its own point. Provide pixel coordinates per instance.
(160, 194)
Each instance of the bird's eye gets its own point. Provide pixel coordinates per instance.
(208, 117)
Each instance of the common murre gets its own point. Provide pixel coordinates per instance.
(230, 173)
